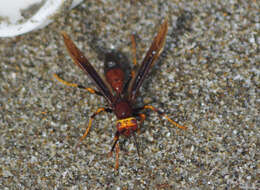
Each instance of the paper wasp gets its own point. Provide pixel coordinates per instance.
(120, 91)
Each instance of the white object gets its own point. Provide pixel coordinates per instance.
(13, 23)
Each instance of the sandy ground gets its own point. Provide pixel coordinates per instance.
(207, 79)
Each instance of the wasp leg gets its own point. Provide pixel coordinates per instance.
(142, 117)
(129, 78)
(90, 123)
(91, 90)
(115, 145)
(162, 114)
(134, 55)
(133, 49)
(117, 157)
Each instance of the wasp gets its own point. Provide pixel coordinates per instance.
(119, 91)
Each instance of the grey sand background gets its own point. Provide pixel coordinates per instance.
(207, 79)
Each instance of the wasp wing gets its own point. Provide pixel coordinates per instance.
(151, 56)
(83, 63)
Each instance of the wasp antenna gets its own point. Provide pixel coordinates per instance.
(136, 144)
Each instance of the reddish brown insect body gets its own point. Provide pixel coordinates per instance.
(115, 77)
(120, 91)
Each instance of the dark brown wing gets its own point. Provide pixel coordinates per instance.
(83, 63)
(151, 56)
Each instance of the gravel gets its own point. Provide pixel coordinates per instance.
(207, 79)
